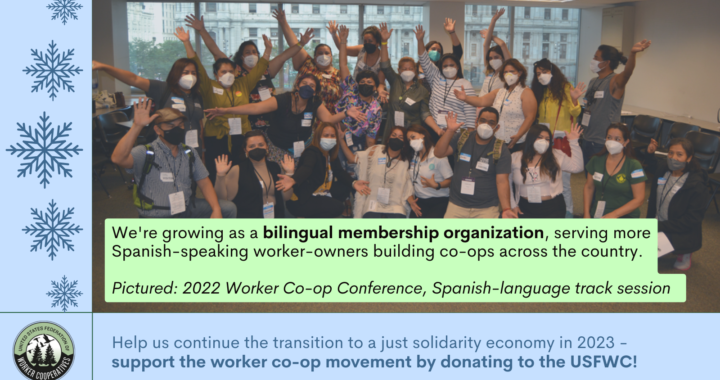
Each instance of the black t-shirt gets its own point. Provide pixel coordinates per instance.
(288, 127)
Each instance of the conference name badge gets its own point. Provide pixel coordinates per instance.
(637, 173)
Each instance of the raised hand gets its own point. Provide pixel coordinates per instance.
(284, 183)
(332, 27)
(384, 33)
(222, 165)
(356, 113)
(141, 110)
(267, 42)
(420, 33)
(652, 147)
(97, 65)
(483, 33)
(449, 25)
(181, 34)
(383, 95)
(305, 38)
(288, 164)
(641, 46)
(460, 94)
(279, 14)
(451, 120)
(194, 22)
(211, 113)
(498, 14)
(414, 206)
(344, 32)
(362, 187)
(428, 182)
(577, 92)
(575, 131)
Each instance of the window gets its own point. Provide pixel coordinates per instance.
(547, 13)
(474, 10)
(493, 10)
(316, 9)
(343, 9)
(565, 13)
(546, 51)
(405, 49)
(253, 32)
(473, 50)
(295, 9)
(563, 51)
(211, 7)
(407, 10)
(273, 32)
(380, 9)
(526, 36)
(407, 33)
(252, 8)
(526, 51)
(273, 7)
(563, 37)
(527, 12)
(546, 37)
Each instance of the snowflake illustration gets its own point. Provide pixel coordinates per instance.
(44, 149)
(52, 70)
(52, 229)
(64, 293)
(65, 9)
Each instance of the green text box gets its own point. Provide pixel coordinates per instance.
(461, 261)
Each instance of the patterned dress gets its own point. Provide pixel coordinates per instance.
(261, 122)
(330, 91)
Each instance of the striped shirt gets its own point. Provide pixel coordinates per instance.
(442, 97)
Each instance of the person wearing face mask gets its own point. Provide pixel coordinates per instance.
(558, 108)
(320, 66)
(320, 184)
(615, 177)
(606, 94)
(515, 102)
(224, 131)
(384, 167)
(358, 135)
(431, 176)
(368, 54)
(435, 49)
(536, 171)
(445, 81)
(180, 91)
(409, 101)
(250, 185)
(246, 58)
(167, 171)
(678, 198)
(494, 56)
(294, 113)
(480, 187)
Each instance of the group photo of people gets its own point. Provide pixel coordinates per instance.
(413, 139)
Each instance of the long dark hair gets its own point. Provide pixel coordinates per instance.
(403, 152)
(522, 81)
(442, 51)
(548, 164)
(175, 74)
(694, 165)
(238, 56)
(427, 141)
(497, 49)
(609, 53)
(557, 84)
(453, 58)
(316, 96)
(628, 151)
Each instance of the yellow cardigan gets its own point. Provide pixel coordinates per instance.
(548, 111)
(215, 95)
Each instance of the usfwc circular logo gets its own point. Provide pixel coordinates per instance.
(43, 351)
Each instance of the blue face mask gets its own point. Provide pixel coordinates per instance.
(434, 55)
(327, 144)
(306, 92)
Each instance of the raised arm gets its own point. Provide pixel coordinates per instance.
(490, 35)
(450, 28)
(344, 70)
(349, 155)
(199, 25)
(226, 180)
(184, 36)
(352, 51)
(622, 78)
(266, 106)
(429, 69)
(443, 148)
(291, 39)
(486, 100)
(122, 156)
(124, 76)
(277, 63)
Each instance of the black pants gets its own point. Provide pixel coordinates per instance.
(215, 147)
(432, 207)
(321, 207)
(553, 208)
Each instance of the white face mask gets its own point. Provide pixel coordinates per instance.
(545, 79)
(613, 146)
(485, 131)
(407, 76)
(496, 63)
(541, 146)
(417, 144)
(227, 80)
(251, 60)
(323, 60)
(327, 144)
(511, 79)
(187, 81)
(449, 72)
(595, 66)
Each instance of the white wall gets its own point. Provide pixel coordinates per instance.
(434, 15)
(678, 73)
(590, 35)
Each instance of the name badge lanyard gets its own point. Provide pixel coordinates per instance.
(387, 166)
(172, 169)
(266, 194)
(597, 87)
(505, 100)
(605, 174)
(447, 91)
(482, 154)
(668, 185)
(535, 168)
(492, 80)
